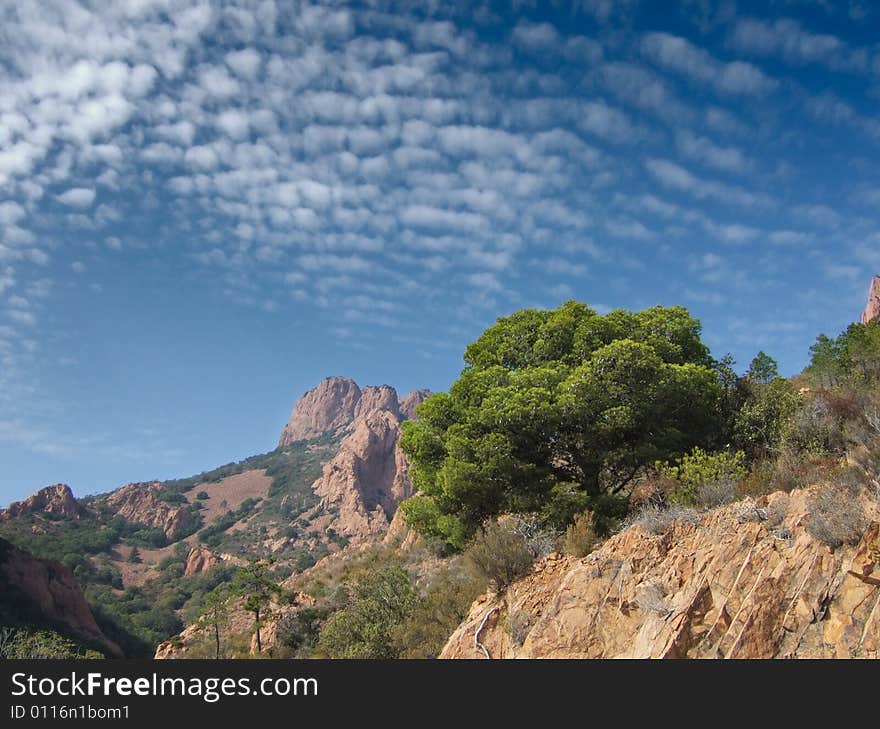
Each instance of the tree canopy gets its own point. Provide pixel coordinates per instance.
(558, 411)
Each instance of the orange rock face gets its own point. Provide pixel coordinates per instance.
(327, 407)
(337, 402)
(56, 500)
(730, 586)
(139, 503)
(872, 309)
(366, 480)
(199, 560)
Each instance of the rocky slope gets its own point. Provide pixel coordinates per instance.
(140, 503)
(872, 308)
(43, 593)
(53, 501)
(744, 581)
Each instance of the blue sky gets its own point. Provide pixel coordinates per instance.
(205, 208)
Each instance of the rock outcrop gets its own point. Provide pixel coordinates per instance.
(337, 402)
(55, 501)
(200, 559)
(40, 592)
(323, 409)
(745, 581)
(139, 503)
(367, 478)
(409, 402)
(872, 309)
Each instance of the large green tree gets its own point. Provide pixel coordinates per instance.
(558, 411)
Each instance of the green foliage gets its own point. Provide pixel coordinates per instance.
(202, 495)
(256, 586)
(763, 369)
(556, 411)
(760, 424)
(438, 613)
(22, 643)
(853, 358)
(299, 631)
(383, 599)
(698, 469)
(216, 615)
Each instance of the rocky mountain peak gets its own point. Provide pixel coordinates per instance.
(337, 402)
(322, 409)
(57, 501)
(872, 309)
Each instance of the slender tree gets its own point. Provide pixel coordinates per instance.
(254, 583)
(216, 614)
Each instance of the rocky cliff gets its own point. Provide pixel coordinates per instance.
(367, 478)
(337, 402)
(872, 308)
(362, 484)
(56, 502)
(744, 581)
(40, 592)
(140, 503)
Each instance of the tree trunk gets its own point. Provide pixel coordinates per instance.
(217, 637)
(259, 642)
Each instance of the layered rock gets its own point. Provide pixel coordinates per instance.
(743, 582)
(41, 592)
(54, 501)
(367, 478)
(337, 402)
(139, 503)
(872, 309)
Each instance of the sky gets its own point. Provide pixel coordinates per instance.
(206, 208)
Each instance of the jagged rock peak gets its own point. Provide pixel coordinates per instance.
(324, 408)
(56, 500)
(872, 309)
(337, 402)
(409, 402)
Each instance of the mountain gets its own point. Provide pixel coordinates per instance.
(41, 593)
(746, 580)
(146, 552)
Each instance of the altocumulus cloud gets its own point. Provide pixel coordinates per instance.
(318, 153)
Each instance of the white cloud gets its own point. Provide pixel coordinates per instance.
(706, 152)
(681, 56)
(677, 177)
(78, 197)
(789, 40)
(244, 63)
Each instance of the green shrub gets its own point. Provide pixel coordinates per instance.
(696, 471)
(446, 603)
(383, 599)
